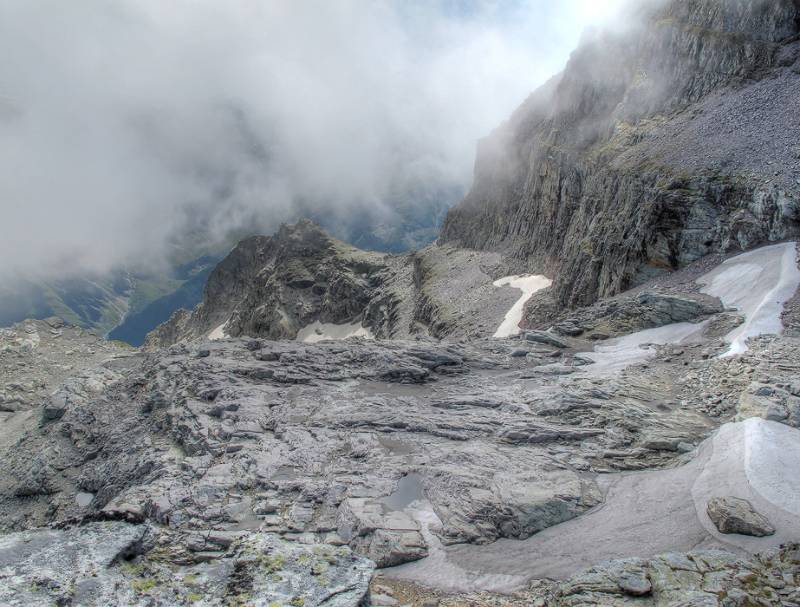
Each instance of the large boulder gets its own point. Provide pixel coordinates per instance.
(734, 515)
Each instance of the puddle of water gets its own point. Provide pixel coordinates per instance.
(84, 499)
(374, 388)
(409, 490)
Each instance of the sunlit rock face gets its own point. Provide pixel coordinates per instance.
(659, 143)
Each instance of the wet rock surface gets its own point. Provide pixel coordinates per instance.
(211, 445)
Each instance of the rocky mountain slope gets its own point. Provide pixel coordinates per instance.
(334, 427)
(672, 138)
(38, 356)
(274, 287)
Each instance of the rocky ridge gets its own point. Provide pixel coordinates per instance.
(273, 287)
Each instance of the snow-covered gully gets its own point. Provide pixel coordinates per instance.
(528, 284)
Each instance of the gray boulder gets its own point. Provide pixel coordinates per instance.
(735, 515)
(543, 337)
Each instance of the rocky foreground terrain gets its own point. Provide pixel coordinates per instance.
(338, 427)
(544, 468)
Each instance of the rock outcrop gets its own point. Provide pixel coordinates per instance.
(660, 143)
(274, 286)
(37, 356)
(624, 315)
(697, 578)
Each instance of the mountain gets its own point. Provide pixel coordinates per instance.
(126, 304)
(276, 286)
(584, 393)
(671, 139)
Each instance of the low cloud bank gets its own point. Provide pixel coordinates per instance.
(128, 128)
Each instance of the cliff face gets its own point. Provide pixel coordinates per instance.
(660, 143)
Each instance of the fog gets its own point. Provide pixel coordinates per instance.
(128, 127)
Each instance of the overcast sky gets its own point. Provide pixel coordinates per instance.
(124, 121)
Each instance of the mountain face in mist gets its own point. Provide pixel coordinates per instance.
(95, 301)
(121, 304)
(127, 305)
(273, 287)
(663, 141)
(658, 144)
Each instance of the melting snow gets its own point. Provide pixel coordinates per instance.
(320, 331)
(757, 283)
(644, 514)
(772, 459)
(218, 333)
(526, 283)
(615, 354)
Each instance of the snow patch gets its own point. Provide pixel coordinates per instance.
(218, 333)
(614, 355)
(756, 283)
(772, 459)
(528, 284)
(320, 331)
(645, 513)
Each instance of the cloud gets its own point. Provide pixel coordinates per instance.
(127, 125)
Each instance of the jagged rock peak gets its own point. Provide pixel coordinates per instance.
(273, 286)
